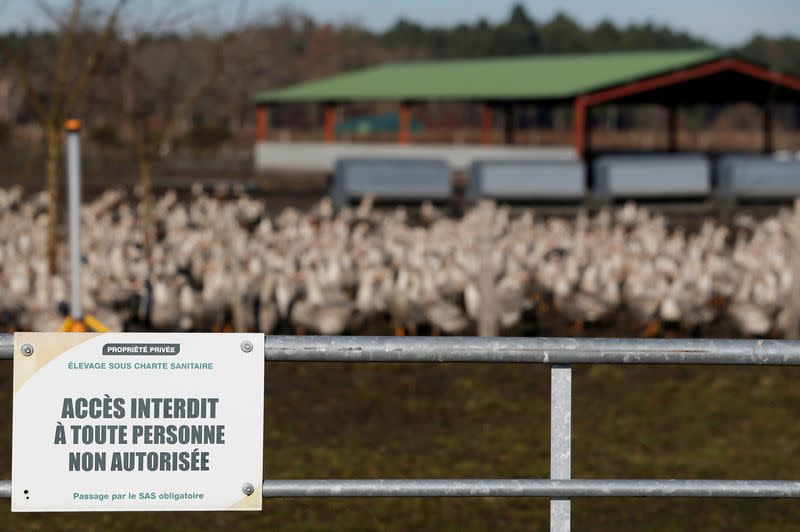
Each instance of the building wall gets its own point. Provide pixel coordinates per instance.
(321, 157)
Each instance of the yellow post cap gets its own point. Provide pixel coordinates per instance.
(73, 124)
(77, 326)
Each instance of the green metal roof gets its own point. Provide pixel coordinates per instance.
(541, 77)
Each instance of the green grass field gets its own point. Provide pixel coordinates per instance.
(480, 420)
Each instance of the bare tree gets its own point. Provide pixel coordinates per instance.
(55, 89)
(163, 76)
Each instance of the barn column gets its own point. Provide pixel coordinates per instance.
(404, 123)
(487, 123)
(262, 122)
(767, 123)
(329, 113)
(508, 124)
(672, 129)
(580, 127)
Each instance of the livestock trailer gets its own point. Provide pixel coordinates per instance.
(390, 180)
(527, 180)
(757, 178)
(651, 177)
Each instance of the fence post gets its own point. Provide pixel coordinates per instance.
(560, 441)
(74, 194)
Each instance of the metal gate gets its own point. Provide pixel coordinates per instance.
(560, 354)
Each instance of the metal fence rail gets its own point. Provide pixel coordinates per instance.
(535, 350)
(559, 353)
(531, 488)
(528, 350)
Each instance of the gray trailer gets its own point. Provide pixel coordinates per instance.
(527, 180)
(390, 180)
(651, 177)
(757, 178)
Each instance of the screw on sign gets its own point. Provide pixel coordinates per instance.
(247, 346)
(26, 349)
(248, 488)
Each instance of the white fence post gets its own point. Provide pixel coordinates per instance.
(74, 215)
(560, 442)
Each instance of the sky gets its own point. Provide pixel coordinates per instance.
(726, 22)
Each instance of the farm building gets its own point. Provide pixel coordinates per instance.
(501, 86)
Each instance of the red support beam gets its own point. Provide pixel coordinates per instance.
(487, 124)
(404, 124)
(262, 123)
(688, 74)
(329, 112)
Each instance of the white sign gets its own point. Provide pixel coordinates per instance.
(137, 421)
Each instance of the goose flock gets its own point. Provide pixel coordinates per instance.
(220, 260)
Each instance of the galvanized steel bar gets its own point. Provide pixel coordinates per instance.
(6, 346)
(560, 441)
(74, 216)
(531, 488)
(777, 489)
(536, 350)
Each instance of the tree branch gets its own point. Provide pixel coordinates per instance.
(187, 103)
(93, 59)
(65, 49)
(30, 92)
